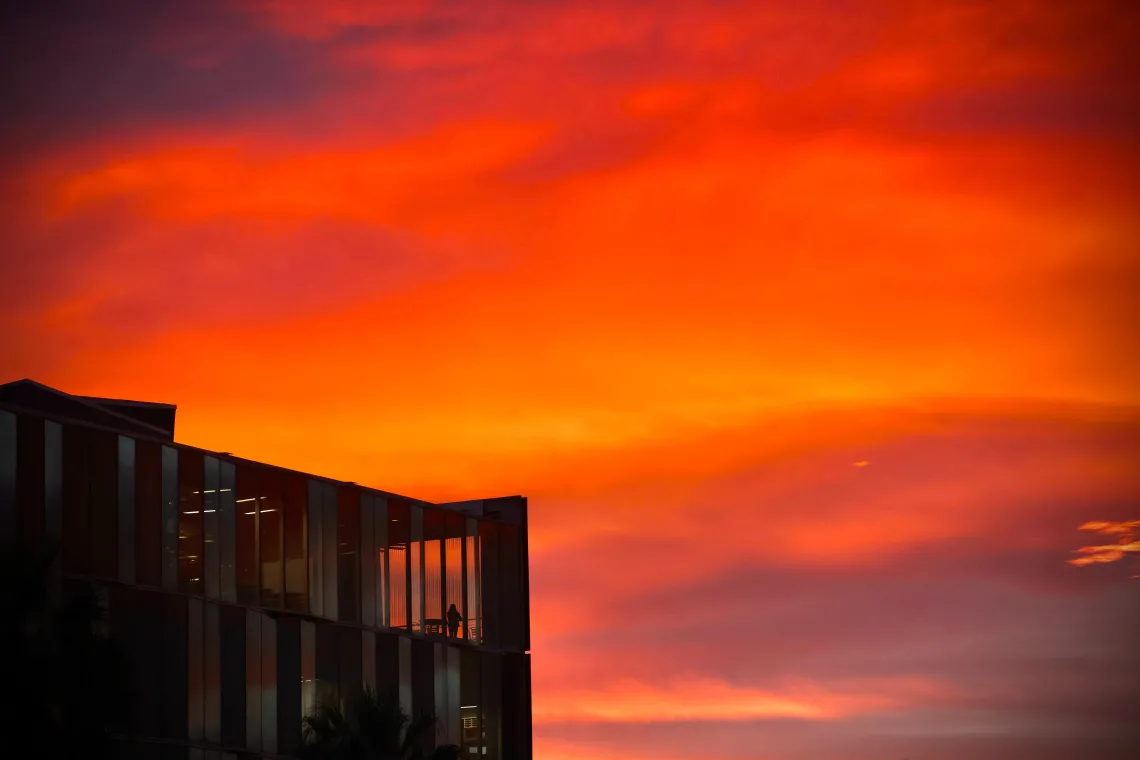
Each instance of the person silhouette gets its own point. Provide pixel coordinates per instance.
(453, 621)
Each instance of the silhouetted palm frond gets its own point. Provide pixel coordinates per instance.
(367, 727)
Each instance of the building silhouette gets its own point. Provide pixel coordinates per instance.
(242, 591)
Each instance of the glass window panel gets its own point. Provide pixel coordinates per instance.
(492, 705)
(104, 537)
(195, 671)
(405, 674)
(232, 667)
(470, 712)
(148, 662)
(439, 678)
(380, 560)
(454, 714)
(416, 594)
(474, 614)
(308, 666)
(76, 500)
(270, 542)
(490, 596)
(53, 481)
(253, 663)
(212, 679)
(423, 676)
(7, 476)
(348, 554)
(416, 558)
(316, 566)
(245, 530)
(399, 532)
(126, 509)
(330, 556)
(368, 659)
(227, 531)
(453, 572)
(268, 684)
(295, 503)
(516, 717)
(148, 513)
(288, 684)
(30, 479)
(190, 537)
(510, 599)
(388, 665)
(434, 620)
(350, 662)
(169, 518)
(328, 661)
(367, 559)
(211, 570)
(174, 669)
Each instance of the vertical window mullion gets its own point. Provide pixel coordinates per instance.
(227, 531)
(253, 662)
(53, 480)
(315, 525)
(126, 509)
(380, 560)
(169, 518)
(329, 548)
(367, 559)
(268, 684)
(211, 556)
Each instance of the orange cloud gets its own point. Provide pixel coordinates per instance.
(676, 272)
(393, 184)
(1106, 553)
(1111, 528)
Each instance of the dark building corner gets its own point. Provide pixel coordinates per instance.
(242, 590)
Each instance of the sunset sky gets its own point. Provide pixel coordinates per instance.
(809, 328)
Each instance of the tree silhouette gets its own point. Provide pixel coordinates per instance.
(367, 727)
(66, 679)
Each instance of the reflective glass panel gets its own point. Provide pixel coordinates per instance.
(474, 615)
(227, 527)
(434, 620)
(399, 532)
(416, 564)
(148, 513)
(126, 509)
(29, 517)
(245, 535)
(170, 519)
(296, 568)
(53, 481)
(270, 549)
(348, 555)
(367, 559)
(190, 536)
(453, 572)
(104, 538)
(210, 550)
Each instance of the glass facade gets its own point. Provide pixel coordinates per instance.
(242, 591)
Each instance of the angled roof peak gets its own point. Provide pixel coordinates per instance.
(136, 417)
